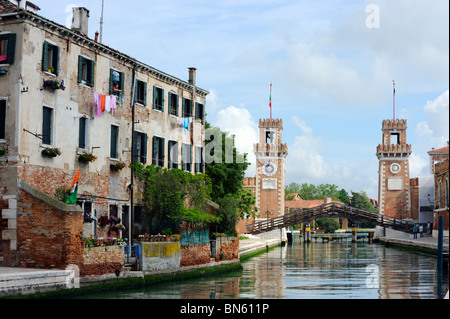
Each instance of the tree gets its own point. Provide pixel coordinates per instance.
(343, 197)
(361, 201)
(310, 191)
(228, 166)
(226, 171)
(164, 194)
(328, 224)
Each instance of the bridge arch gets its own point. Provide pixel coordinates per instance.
(330, 210)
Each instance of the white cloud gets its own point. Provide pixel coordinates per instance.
(212, 101)
(436, 128)
(418, 165)
(239, 122)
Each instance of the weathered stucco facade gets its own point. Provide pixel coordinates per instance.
(169, 113)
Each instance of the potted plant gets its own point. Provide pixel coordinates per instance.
(54, 84)
(51, 152)
(87, 157)
(118, 166)
(3, 150)
(88, 218)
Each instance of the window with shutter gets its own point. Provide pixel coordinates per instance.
(186, 157)
(2, 119)
(199, 159)
(82, 139)
(141, 92)
(187, 107)
(50, 58)
(140, 147)
(173, 104)
(173, 154)
(158, 99)
(7, 48)
(86, 71)
(158, 151)
(116, 82)
(199, 112)
(114, 142)
(47, 125)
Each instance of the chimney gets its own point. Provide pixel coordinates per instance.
(80, 20)
(96, 36)
(192, 75)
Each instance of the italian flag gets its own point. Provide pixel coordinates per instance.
(74, 189)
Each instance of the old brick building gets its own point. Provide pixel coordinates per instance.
(441, 207)
(64, 95)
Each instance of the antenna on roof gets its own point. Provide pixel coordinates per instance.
(101, 22)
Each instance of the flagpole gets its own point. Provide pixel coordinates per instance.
(393, 82)
(270, 102)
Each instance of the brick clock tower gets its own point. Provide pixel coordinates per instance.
(394, 196)
(270, 162)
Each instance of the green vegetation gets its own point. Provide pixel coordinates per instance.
(328, 224)
(226, 173)
(164, 194)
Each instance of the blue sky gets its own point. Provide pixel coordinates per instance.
(331, 74)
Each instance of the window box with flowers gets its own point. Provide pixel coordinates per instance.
(117, 166)
(54, 84)
(51, 152)
(3, 151)
(87, 157)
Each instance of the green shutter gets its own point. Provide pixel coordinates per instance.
(183, 111)
(47, 126)
(155, 97)
(196, 110)
(111, 81)
(162, 149)
(11, 48)
(56, 59)
(145, 93)
(91, 73)
(45, 57)
(82, 133)
(144, 149)
(162, 100)
(80, 68)
(121, 77)
(135, 136)
(154, 150)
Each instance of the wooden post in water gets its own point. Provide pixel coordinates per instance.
(354, 234)
(307, 233)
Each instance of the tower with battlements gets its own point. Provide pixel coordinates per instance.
(394, 195)
(270, 168)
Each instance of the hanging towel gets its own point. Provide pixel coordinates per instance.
(97, 104)
(113, 104)
(103, 101)
(108, 103)
(186, 123)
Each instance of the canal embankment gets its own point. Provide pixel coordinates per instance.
(52, 283)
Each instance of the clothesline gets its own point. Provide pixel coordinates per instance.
(106, 103)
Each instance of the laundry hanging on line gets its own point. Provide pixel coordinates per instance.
(108, 103)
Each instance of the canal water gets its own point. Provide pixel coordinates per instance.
(328, 270)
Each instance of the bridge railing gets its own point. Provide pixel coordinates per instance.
(331, 210)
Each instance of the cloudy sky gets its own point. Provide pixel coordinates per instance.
(331, 63)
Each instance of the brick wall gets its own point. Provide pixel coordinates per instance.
(228, 246)
(48, 231)
(101, 260)
(195, 255)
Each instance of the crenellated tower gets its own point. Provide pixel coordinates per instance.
(270, 165)
(394, 195)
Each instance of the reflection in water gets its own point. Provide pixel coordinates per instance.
(315, 270)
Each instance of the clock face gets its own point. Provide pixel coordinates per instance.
(395, 168)
(269, 169)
